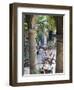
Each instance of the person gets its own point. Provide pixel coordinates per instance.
(53, 61)
(47, 67)
(53, 66)
(50, 35)
(41, 70)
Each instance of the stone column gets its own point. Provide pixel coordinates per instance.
(32, 48)
(59, 57)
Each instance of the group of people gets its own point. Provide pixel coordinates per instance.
(46, 56)
(47, 60)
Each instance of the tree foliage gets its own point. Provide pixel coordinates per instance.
(46, 22)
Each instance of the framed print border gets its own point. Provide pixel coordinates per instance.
(13, 43)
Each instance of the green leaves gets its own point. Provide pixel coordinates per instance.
(46, 22)
(25, 26)
(42, 22)
(51, 22)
